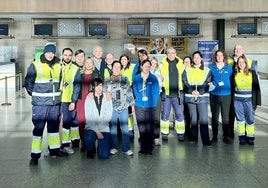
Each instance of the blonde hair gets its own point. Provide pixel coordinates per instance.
(154, 58)
(85, 64)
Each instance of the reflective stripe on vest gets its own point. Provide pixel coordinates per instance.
(191, 95)
(243, 84)
(46, 87)
(46, 94)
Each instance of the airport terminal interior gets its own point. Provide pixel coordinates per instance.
(173, 164)
(125, 27)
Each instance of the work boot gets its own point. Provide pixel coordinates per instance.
(33, 161)
(242, 140)
(164, 136)
(181, 137)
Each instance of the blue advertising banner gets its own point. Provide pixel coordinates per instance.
(207, 49)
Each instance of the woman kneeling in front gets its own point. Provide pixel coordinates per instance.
(98, 112)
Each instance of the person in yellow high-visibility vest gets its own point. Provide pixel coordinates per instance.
(127, 70)
(237, 52)
(196, 81)
(70, 87)
(42, 83)
(171, 69)
(247, 96)
(109, 59)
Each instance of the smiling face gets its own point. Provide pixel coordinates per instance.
(187, 62)
(171, 54)
(154, 64)
(98, 89)
(238, 50)
(116, 69)
(145, 68)
(124, 61)
(97, 53)
(67, 56)
(241, 64)
(219, 57)
(80, 59)
(142, 56)
(159, 42)
(89, 64)
(197, 59)
(109, 59)
(49, 56)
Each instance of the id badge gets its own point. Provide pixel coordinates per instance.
(221, 83)
(145, 98)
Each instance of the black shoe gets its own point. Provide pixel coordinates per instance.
(193, 141)
(242, 142)
(148, 153)
(75, 144)
(60, 153)
(142, 152)
(209, 145)
(90, 154)
(232, 135)
(250, 142)
(164, 136)
(33, 161)
(83, 148)
(181, 137)
(226, 140)
(214, 140)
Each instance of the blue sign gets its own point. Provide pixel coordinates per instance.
(207, 49)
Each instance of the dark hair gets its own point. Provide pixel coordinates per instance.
(202, 63)
(96, 82)
(189, 57)
(116, 61)
(67, 49)
(160, 39)
(128, 61)
(79, 52)
(143, 51)
(145, 61)
(225, 56)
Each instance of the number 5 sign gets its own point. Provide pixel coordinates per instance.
(163, 27)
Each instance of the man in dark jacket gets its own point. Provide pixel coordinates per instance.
(42, 82)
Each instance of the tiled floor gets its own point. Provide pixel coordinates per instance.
(173, 164)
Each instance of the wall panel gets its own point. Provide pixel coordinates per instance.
(130, 6)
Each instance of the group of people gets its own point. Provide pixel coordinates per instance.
(86, 100)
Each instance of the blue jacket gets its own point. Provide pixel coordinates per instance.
(136, 69)
(220, 76)
(149, 92)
